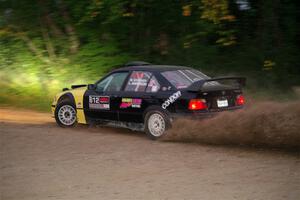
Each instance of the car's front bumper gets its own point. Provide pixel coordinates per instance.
(53, 110)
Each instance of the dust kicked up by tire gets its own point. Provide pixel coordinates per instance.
(269, 124)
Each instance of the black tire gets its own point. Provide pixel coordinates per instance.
(65, 104)
(160, 115)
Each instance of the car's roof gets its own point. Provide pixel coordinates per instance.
(152, 68)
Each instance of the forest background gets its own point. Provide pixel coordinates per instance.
(46, 45)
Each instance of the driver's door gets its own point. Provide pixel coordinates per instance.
(101, 103)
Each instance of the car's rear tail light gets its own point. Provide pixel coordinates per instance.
(240, 100)
(197, 104)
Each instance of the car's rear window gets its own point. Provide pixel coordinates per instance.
(183, 78)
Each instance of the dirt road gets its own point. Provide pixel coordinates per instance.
(42, 161)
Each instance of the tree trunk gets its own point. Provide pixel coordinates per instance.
(48, 43)
(53, 27)
(70, 30)
(32, 47)
(47, 19)
(43, 13)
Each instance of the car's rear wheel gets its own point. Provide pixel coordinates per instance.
(156, 124)
(65, 114)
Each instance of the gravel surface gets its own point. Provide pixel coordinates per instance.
(42, 161)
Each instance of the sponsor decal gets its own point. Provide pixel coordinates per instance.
(99, 102)
(171, 99)
(79, 105)
(138, 78)
(129, 102)
(135, 81)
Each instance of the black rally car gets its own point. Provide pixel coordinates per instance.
(148, 97)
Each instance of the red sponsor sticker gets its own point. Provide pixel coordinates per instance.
(103, 99)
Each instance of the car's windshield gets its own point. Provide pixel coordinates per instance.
(184, 78)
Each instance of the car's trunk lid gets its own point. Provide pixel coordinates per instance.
(219, 93)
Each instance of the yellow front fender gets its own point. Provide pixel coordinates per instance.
(77, 95)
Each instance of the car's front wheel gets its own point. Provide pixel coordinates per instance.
(156, 124)
(65, 114)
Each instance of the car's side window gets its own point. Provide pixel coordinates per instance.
(138, 81)
(153, 85)
(112, 83)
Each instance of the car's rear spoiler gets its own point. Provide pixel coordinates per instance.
(196, 86)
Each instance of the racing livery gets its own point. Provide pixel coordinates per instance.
(148, 97)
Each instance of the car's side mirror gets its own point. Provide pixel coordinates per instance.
(91, 86)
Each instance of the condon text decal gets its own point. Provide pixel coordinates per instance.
(171, 99)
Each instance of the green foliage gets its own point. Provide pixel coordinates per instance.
(47, 45)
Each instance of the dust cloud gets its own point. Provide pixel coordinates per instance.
(269, 124)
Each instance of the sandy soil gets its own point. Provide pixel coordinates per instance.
(42, 161)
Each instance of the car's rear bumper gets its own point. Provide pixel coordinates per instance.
(203, 115)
